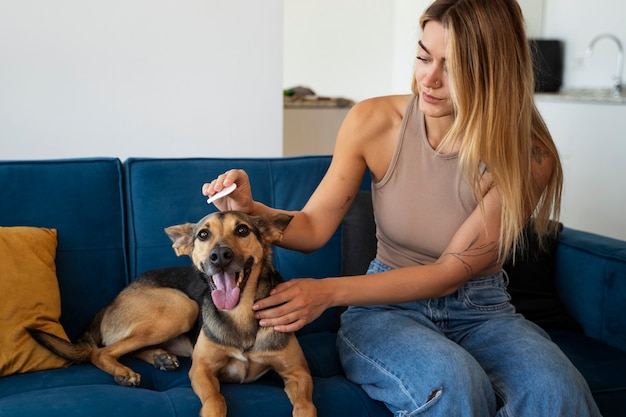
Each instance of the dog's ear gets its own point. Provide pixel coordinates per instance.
(273, 226)
(182, 238)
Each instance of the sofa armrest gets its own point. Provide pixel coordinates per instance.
(591, 280)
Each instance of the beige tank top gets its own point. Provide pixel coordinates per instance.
(421, 201)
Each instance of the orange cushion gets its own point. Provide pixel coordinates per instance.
(30, 298)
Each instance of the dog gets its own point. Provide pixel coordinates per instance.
(156, 318)
(234, 251)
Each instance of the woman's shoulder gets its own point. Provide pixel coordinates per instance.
(380, 112)
(370, 132)
(394, 104)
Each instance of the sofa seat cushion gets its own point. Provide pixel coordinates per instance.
(87, 375)
(603, 366)
(319, 350)
(333, 397)
(102, 401)
(85, 390)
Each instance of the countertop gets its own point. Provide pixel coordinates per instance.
(316, 102)
(584, 95)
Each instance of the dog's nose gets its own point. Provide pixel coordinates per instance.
(221, 256)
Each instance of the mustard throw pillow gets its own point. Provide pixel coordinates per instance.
(30, 298)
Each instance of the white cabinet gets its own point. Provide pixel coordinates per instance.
(311, 131)
(591, 138)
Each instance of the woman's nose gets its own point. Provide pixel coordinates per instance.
(433, 80)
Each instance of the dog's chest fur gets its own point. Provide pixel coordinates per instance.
(246, 344)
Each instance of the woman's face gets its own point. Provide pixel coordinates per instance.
(430, 72)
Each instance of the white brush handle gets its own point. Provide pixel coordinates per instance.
(222, 193)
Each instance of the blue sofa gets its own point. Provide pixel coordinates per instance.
(110, 218)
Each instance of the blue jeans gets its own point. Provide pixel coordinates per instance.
(467, 354)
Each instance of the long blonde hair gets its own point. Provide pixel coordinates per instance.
(492, 87)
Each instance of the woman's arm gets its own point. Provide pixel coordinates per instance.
(361, 133)
(473, 251)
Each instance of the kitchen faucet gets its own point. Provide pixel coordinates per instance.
(617, 81)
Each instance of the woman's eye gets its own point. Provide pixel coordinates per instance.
(423, 59)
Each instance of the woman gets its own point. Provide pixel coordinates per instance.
(458, 168)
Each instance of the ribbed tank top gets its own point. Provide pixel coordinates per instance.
(421, 201)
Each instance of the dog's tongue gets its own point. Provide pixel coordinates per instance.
(226, 295)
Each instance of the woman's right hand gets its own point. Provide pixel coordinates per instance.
(238, 200)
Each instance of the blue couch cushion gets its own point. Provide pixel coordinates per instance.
(591, 271)
(85, 390)
(165, 192)
(83, 200)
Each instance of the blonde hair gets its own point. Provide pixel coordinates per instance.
(492, 87)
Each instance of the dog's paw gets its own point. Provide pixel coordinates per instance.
(128, 380)
(166, 362)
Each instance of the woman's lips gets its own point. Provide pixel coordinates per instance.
(430, 99)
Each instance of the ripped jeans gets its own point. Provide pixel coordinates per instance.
(467, 354)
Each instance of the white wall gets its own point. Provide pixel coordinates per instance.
(140, 78)
(351, 48)
(339, 48)
(360, 48)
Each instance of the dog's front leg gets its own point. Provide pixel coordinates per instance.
(292, 367)
(204, 379)
(206, 387)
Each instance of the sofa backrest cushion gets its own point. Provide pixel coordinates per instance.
(166, 192)
(83, 200)
(358, 236)
(532, 282)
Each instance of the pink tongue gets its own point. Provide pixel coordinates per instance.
(226, 295)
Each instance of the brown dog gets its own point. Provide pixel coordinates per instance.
(234, 251)
(153, 318)
(231, 253)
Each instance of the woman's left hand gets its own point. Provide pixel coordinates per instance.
(293, 304)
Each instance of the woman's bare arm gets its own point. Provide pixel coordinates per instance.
(472, 252)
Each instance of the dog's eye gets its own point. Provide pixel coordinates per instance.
(203, 234)
(242, 230)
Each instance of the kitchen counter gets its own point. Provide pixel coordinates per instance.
(584, 95)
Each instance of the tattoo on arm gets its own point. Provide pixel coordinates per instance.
(475, 250)
(538, 154)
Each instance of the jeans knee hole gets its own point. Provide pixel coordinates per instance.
(434, 395)
(432, 399)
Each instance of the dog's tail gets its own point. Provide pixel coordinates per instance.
(75, 352)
